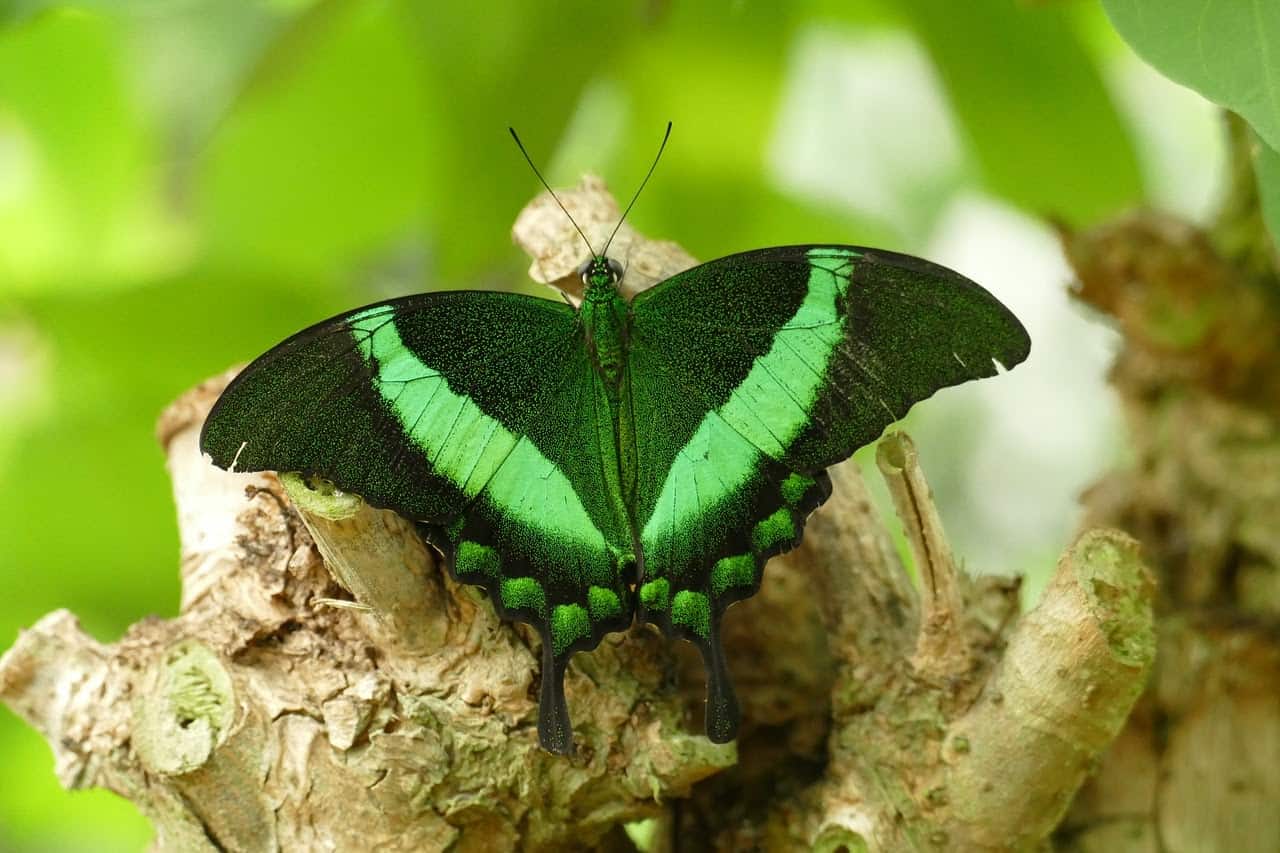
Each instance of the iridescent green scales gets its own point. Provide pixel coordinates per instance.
(588, 466)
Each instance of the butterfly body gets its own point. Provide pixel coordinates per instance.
(589, 466)
(604, 317)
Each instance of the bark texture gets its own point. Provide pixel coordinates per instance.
(1197, 768)
(326, 686)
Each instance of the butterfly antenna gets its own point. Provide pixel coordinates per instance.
(543, 180)
(656, 158)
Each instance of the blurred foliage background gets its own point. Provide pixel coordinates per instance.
(185, 182)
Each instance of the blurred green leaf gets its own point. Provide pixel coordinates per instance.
(712, 191)
(1228, 51)
(79, 203)
(362, 133)
(525, 65)
(1267, 164)
(322, 159)
(21, 11)
(1032, 103)
(91, 477)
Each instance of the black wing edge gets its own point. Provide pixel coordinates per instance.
(1019, 341)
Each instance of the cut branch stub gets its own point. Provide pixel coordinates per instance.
(377, 557)
(942, 649)
(184, 710)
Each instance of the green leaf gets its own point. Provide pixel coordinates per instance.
(322, 160)
(1267, 165)
(80, 203)
(1031, 101)
(1229, 51)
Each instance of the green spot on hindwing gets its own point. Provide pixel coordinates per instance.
(524, 594)
(691, 610)
(773, 532)
(655, 595)
(603, 604)
(795, 487)
(473, 558)
(569, 623)
(733, 572)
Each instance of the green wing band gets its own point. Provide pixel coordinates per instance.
(473, 450)
(463, 443)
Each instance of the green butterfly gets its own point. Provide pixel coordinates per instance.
(587, 466)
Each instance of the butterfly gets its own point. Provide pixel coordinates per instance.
(616, 461)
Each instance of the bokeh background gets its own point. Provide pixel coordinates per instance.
(184, 183)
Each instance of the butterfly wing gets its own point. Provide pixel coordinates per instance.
(477, 415)
(752, 374)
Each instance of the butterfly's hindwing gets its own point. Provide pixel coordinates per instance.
(553, 549)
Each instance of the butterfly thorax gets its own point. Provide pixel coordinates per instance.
(604, 318)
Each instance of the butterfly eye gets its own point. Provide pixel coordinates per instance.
(616, 269)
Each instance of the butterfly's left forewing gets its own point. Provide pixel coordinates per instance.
(477, 415)
(752, 374)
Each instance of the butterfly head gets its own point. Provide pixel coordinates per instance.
(600, 274)
(600, 277)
